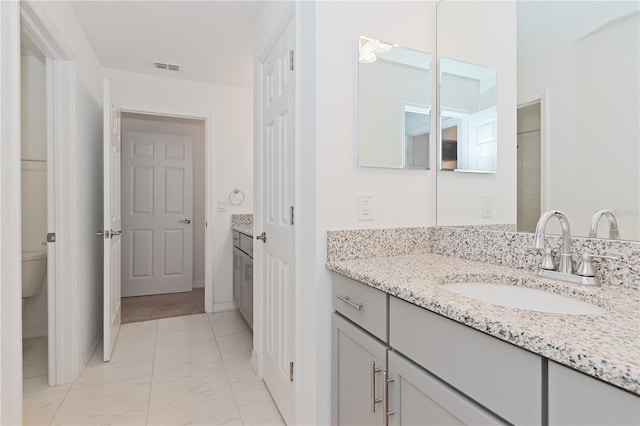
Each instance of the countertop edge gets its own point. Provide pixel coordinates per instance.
(246, 230)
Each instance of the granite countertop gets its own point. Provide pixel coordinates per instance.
(605, 346)
(242, 223)
(244, 228)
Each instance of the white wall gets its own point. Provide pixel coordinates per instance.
(86, 275)
(33, 126)
(230, 122)
(464, 37)
(196, 130)
(592, 127)
(34, 182)
(329, 178)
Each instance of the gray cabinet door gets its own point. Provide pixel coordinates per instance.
(247, 289)
(353, 352)
(418, 398)
(237, 277)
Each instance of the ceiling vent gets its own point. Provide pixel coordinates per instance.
(165, 66)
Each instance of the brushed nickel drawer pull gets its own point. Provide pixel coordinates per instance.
(348, 301)
(385, 398)
(374, 400)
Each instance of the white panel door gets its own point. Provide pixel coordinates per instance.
(112, 222)
(157, 206)
(278, 104)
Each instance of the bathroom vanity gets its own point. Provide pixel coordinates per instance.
(407, 350)
(243, 268)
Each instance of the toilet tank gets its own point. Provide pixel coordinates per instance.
(33, 269)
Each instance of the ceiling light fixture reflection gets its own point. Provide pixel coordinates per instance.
(369, 47)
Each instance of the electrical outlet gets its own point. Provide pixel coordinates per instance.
(487, 206)
(221, 207)
(365, 207)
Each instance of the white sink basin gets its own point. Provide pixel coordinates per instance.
(524, 298)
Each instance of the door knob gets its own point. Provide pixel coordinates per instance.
(185, 221)
(262, 237)
(114, 233)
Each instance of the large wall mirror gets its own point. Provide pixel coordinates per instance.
(394, 105)
(578, 103)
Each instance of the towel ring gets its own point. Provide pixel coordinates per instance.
(236, 197)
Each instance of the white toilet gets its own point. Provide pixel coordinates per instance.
(33, 268)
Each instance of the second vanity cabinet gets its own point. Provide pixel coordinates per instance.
(243, 275)
(580, 400)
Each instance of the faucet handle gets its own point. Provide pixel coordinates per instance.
(547, 260)
(586, 267)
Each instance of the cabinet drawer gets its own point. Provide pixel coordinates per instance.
(496, 374)
(236, 238)
(362, 304)
(577, 399)
(246, 244)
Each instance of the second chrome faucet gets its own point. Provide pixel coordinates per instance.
(584, 274)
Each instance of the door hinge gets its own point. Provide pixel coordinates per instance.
(291, 60)
(291, 215)
(51, 237)
(291, 371)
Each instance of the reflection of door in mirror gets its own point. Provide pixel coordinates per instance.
(529, 167)
(450, 143)
(468, 94)
(417, 122)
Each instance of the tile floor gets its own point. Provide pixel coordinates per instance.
(174, 371)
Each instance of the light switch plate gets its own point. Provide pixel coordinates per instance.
(487, 206)
(221, 207)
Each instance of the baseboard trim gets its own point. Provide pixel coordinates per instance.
(198, 284)
(224, 307)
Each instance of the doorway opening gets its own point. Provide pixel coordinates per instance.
(529, 188)
(34, 184)
(163, 216)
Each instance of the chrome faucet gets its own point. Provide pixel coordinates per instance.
(614, 233)
(565, 252)
(585, 274)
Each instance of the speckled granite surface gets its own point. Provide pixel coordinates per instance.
(362, 243)
(604, 346)
(514, 249)
(242, 223)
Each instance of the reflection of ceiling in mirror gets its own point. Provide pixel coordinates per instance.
(547, 25)
(414, 58)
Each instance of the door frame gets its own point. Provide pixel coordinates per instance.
(62, 302)
(10, 234)
(63, 331)
(209, 208)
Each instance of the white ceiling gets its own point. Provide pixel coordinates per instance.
(212, 40)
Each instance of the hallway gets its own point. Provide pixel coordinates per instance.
(183, 370)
